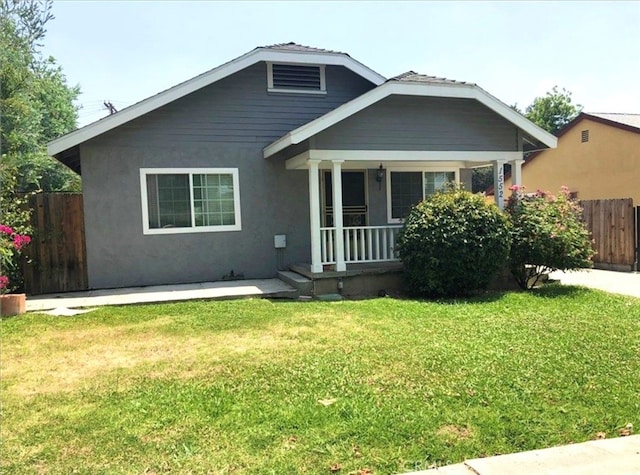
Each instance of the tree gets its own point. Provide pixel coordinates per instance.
(553, 111)
(36, 104)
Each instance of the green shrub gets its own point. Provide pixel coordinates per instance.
(453, 243)
(547, 233)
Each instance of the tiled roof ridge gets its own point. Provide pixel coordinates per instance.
(412, 76)
(293, 46)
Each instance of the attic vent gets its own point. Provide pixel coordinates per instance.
(585, 136)
(296, 78)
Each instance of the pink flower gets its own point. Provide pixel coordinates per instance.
(6, 229)
(514, 188)
(4, 281)
(21, 240)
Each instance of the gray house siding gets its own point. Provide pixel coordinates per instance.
(421, 123)
(238, 109)
(225, 125)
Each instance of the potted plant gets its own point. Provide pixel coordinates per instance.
(11, 245)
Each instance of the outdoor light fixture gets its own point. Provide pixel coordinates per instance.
(380, 176)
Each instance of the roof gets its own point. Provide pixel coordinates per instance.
(414, 84)
(626, 119)
(412, 76)
(291, 46)
(290, 52)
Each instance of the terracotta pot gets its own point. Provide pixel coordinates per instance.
(13, 304)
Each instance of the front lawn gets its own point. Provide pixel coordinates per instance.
(255, 386)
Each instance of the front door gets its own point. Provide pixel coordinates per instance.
(354, 199)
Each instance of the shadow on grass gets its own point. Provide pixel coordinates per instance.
(554, 290)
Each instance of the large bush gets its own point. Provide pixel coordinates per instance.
(548, 234)
(453, 243)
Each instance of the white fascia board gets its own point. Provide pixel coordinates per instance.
(363, 158)
(461, 91)
(154, 102)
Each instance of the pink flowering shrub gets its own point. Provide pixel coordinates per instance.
(11, 245)
(547, 233)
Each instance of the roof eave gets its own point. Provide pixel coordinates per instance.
(145, 106)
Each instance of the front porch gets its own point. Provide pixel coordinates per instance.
(339, 247)
(409, 136)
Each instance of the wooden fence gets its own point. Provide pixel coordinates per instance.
(57, 252)
(613, 226)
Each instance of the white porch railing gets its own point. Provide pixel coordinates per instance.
(361, 244)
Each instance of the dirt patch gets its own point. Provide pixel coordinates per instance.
(63, 361)
(453, 432)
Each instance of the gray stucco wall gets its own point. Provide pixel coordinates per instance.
(226, 124)
(422, 123)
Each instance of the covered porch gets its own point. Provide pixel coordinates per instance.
(407, 138)
(354, 222)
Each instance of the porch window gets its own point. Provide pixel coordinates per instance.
(408, 188)
(190, 200)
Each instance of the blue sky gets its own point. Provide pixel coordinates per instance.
(127, 51)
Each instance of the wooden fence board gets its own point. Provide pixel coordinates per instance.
(612, 224)
(57, 254)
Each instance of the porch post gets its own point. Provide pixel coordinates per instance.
(498, 182)
(516, 172)
(336, 178)
(314, 215)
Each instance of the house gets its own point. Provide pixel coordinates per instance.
(286, 155)
(598, 157)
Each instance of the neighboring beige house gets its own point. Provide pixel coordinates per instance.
(598, 157)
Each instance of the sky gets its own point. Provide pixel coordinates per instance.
(126, 51)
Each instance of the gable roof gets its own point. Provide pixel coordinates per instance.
(414, 84)
(284, 52)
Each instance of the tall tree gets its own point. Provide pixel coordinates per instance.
(553, 111)
(36, 104)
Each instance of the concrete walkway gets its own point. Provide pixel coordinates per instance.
(161, 293)
(620, 456)
(626, 283)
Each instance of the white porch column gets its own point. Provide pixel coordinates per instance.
(498, 182)
(336, 178)
(516, 172)
(314, 215)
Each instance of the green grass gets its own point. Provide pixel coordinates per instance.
(235, 386)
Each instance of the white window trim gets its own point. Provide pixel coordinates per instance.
(390, 219)
(189, 171)
(323, 81)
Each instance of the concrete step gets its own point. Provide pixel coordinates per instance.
(303, 285)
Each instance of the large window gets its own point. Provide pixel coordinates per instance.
(406, 188)
(190, 200)
(297, 78)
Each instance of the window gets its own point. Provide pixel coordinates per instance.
(406, 188)
(190, 200)
(584, 136)
(297, 78)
